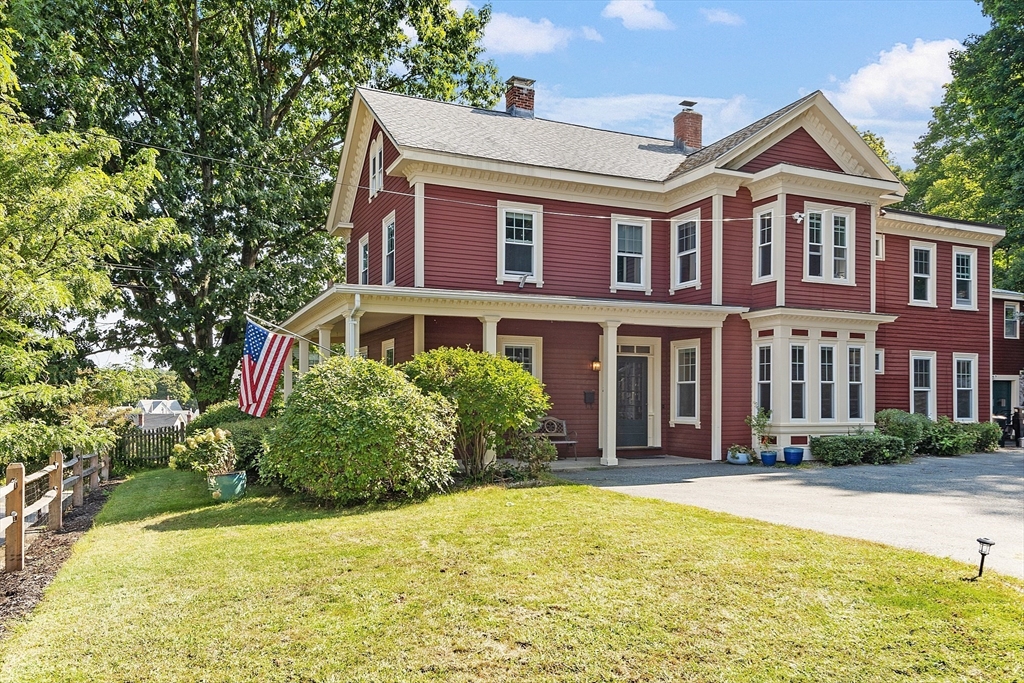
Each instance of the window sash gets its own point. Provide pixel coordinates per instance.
(1010, 325)
(921, 379)
(686, 382)
(764, 377)
(827, 382)
(797, 381)
(520, 353)
(364, 263)
(519, 243)
(764, 245)
(855, 376)
(922, 273)
(839, 252)
(964, 389)
(815, 244)
(629, 262)
(964, 279)
(686, 252)
(389, 256)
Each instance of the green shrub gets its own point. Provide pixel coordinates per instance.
(228, 412)
(356, 430)
(248, 438)
(209, 451)
(493, 397)
(947, 438)
(986, 436)
(854, 449)
(911, 427)
(533, 453)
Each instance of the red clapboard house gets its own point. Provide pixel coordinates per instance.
(660, 289)
(1007, 351)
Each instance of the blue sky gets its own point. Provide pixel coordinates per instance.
(626, 64)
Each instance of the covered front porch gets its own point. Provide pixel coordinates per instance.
(662, 363)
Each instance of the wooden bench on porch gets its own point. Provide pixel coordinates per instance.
(556, 431)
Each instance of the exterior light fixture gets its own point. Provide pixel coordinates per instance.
(595, 365)
(984, 548)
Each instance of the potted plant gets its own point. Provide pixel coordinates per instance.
(741, 455)
(760, 424)
(212, 453)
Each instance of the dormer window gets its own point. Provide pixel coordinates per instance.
(377, 165)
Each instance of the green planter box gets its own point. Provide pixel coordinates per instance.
(225, 487)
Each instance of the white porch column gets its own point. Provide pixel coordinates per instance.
(352, 334)
(490, 333)
(609, 374)
(324, 341)
(303, 355)
(286, 388)
(716, 393)
(418, 337)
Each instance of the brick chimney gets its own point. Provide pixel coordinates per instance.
(519, 97)
(688, 126)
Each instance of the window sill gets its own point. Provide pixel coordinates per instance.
(628, 288)
(511, 278)
(764, 280)
(963, 308)
(826, 281)
(922, 304)
(685, 285)
(684, 421)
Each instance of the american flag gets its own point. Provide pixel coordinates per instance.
(262, 363)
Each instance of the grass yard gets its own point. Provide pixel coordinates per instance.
(560, 583)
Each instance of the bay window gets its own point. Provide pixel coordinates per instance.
(827, 383)
(855, 379)
(797, 383)
(764, 377)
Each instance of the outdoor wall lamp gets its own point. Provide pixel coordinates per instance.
(595, 365)
(984, 548)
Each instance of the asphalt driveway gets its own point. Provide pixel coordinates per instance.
(934, 505)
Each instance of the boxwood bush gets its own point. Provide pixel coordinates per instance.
(356, 430)
(911, 427)
(854, 449)
(247, 437)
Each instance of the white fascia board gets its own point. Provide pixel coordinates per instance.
(1007, 295)
(826, 176)
(933, 225)
(853, 138)
(772, 317)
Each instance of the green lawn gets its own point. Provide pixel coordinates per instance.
(561, 583)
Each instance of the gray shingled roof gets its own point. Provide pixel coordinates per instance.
(487, 134)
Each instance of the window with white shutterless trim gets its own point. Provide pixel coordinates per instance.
(387, 241)
(828, 244)
(922, 274)
(763, 244)
(922, 383)
(685, 234)
(879, 361)
(1011, 328)
(631, 249)
(965, 383)
(520, 243)
(855, 381)
(387, 352)
(364, 260)
(764, 376)
(797, 382)
(527, 351)
(686, 381)
(827, 382)
(377, 165)
(965, 278)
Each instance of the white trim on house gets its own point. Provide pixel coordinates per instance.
(385, 346)
(933, 263)
(1015, 307)
(795, 380)
(534, 343)
(832, 381)
(388, 221)
(695, 282)
(419, 227)
(760, 240)
(879, 361)
(653, 384)
(536, 211)
(973, 359)
(376, 166)
(827, 214)
(364, 260)
(972, 254)
(674, 417)
(645, 284)
(717, 248)
(862, 382)
(932, 356)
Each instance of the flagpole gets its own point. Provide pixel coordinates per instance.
(286, 331)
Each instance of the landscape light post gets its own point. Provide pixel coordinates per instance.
(984, 548)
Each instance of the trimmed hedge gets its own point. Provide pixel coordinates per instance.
(854, 449)
(911, 427)
(228, 412)
(248, 437)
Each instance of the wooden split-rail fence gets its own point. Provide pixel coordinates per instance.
(14, 523)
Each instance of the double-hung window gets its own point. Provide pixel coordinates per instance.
(1011, 328)
(763, 236)
(527, 351)
(855, 377)
(686, 247)
(631, 247)
(387, 352)
(764, 377)
(922, 383)
(829, 236)
(520, 243)
(922, 274)
(377, 165)
(686, 373)
(388, 242)
(364, 260)
(965, 381)
(797, 382)
(827, 383)
(964, 279)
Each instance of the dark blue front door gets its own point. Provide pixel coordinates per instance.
(631, 412)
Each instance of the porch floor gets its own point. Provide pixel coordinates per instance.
(568, 464)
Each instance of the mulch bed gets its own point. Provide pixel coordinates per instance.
(48, 551)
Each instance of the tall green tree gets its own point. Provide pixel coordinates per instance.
(61, 216)
(253, 98)
(970, 163)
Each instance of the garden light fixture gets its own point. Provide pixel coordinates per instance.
(984, 548)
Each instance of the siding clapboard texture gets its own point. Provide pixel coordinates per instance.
(401, 332)
(736, 381)
(797, 148)
(1007, 354)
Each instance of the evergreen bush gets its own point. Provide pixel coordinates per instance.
(947, 438)
(248, 439)
(355, 430)
(854, 449)
(911, 427)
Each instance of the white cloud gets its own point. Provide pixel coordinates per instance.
(506, 34)
(721, 16)
(460, 6)
(893, 96)
(646, 113)
(591, 33)
(637, 14)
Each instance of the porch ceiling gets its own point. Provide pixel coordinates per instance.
(336, 303)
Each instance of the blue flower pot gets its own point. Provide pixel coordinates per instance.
(793, 455)
(768, 458)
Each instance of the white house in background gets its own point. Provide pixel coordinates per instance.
(157, 413)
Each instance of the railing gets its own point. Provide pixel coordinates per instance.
(146, 448)
(16, 512)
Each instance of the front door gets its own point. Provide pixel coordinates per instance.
(631, 390)
(1001, 398)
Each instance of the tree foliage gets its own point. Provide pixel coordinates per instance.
(970, 163)
(255, 96)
